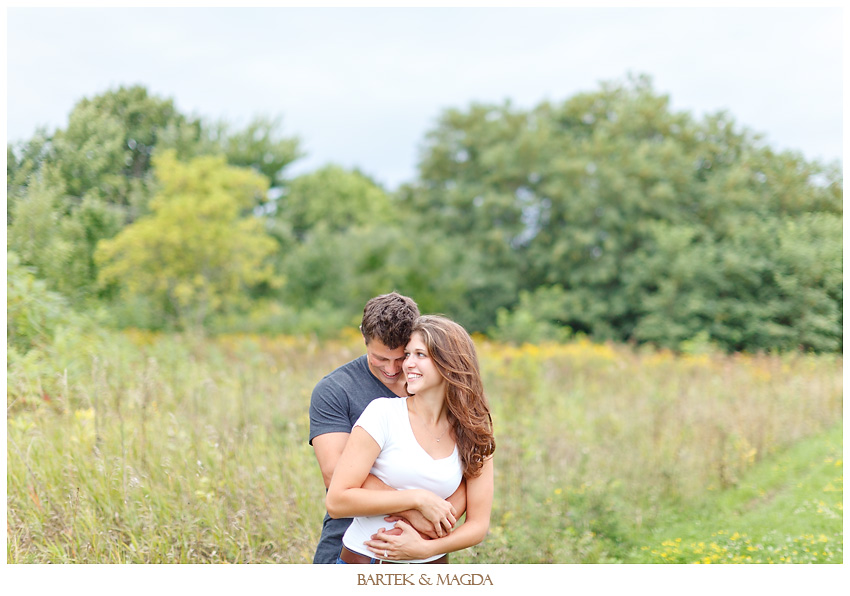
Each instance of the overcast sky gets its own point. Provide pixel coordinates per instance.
(361, 87)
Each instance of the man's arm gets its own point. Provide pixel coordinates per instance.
(418, 521)
(328, 448)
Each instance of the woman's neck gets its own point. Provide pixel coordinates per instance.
(430, 407)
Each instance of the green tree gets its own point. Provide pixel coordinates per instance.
(539, 316)
(341, 269)
(22, 163)
(196, 253)
(105, 151)
(85, 182)
(260, 145)
(332, 199)
(768, 283)
(330, 223)
(345, 240)
(93, 177)
(575, 196)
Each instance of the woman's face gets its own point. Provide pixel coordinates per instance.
(422, 374)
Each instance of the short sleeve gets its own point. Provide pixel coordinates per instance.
(375, 420)
(328, 410)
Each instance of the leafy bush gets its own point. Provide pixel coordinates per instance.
(45, 338)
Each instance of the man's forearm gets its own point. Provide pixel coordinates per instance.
(372, 482)
(413, 516)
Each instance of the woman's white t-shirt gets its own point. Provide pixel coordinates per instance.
(402, 464)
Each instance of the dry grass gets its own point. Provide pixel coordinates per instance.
(146, 449)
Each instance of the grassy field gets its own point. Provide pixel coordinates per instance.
(788, 509)
(156, 449)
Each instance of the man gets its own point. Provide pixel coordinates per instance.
(341, 396)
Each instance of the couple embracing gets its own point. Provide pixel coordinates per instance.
(404, 439)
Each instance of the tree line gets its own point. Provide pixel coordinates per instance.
(607, 214)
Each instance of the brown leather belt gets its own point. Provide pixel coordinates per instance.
(349, 556)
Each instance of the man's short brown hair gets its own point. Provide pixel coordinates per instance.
(389, 319)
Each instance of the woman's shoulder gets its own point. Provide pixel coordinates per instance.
(386, 404)
(382, 410)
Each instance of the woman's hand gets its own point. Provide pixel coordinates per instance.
(400, 543)
(438, 511)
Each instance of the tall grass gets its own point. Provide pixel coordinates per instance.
(155, 449)
(597, 443)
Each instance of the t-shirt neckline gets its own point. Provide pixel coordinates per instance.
(413, 436)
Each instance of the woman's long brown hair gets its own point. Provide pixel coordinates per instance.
(453, 353)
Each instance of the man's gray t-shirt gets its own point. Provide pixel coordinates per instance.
(336, 404)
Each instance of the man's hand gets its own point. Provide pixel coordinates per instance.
(400, 543)
(422, 525)
(415, 518)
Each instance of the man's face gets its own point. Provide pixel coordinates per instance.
(384, 362)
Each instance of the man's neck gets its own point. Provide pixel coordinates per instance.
(399, 389)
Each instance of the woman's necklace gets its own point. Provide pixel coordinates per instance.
(422, 422)
(433, 435)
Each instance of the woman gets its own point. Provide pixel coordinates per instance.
(422, 445)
